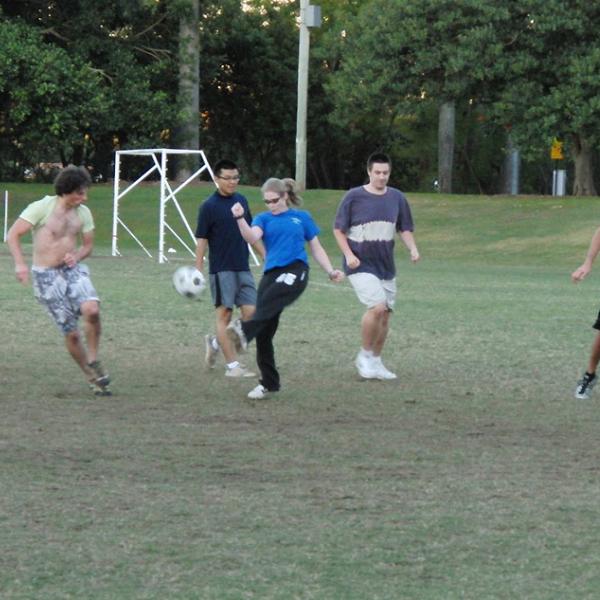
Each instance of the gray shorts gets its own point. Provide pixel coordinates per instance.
(233, 288)
(372, 291)
(62, 291)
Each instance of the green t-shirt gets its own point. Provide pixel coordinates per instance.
(37, 213)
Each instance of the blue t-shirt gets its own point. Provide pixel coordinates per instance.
(285, 235)
(370, 222)
(227, 249)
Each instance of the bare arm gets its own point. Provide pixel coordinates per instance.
(250, 234)
(13, 239)
(201, 245)
(408, 239)
(342, 241)
(581, 272)
(319, 254)
(260, 249)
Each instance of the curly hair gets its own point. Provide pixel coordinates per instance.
(71, 179)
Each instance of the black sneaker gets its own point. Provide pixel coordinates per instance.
(100, 390)
(585, 386)
(100, 380)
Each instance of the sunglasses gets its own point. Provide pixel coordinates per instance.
(272, 200)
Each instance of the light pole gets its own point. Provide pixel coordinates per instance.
(310, 16)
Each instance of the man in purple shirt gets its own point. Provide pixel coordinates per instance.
(366, 222)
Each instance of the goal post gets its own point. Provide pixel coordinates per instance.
(168, 195)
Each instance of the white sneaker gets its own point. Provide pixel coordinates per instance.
(239, 371)
(258, 393)
(210, 358)
(381, 371)
(235, 333)
(365, 367)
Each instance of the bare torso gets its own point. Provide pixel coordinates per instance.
(57, 237)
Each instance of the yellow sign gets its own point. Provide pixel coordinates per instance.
(556, 152)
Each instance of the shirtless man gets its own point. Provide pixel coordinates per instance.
(61, 283)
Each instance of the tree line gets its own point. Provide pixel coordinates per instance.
(446, 87)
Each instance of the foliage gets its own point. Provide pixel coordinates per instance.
(401, 58)
(42, 116)
(128, 49)
(552, 90)
(80, 78)
(248, 85)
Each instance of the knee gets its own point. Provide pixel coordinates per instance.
(72, 337)
(90, 311)
(224, 316)
(380, 311)
(247, 311)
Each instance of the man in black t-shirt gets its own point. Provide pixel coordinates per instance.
(231, 282)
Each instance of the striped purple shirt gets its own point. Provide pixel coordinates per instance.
(370, 222)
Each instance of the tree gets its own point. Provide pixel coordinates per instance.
(188, 135)
(248, 85)
(42, 117)
(130, 47)
(552, 88)
(405, 56)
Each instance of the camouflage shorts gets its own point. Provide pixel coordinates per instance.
(62, 290)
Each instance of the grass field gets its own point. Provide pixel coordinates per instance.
(476, 475)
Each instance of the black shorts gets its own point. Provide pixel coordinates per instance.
(597, 323)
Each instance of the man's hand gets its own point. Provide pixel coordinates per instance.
(581, 273)
(22, 273)
(70, 260)
(352, 261)
(414, 255)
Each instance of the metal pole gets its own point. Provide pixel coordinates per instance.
(303, 51)
(5, 213)
(163, 187)
(115, 249)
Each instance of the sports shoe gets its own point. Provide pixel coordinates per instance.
(236, 334)
(585, 386)
(210, 357)
(239, 371)
(99, 390)
(258, 393)
(381, 372)
(365, 367)
(101, 378)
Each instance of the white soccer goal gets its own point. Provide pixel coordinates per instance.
(168, 195)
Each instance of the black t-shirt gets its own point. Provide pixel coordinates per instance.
(227, 249)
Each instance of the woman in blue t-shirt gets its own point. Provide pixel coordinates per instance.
(284, 231)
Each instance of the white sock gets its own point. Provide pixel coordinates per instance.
(233, 365)
(214, 342)
(366, 353)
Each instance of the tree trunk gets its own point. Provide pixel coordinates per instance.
(512, 168)
(583, 185)
(446, 129)
(188, 134)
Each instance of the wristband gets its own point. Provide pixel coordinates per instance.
(240, 217)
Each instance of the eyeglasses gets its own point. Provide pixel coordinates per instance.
(234, 178)
(272, 200)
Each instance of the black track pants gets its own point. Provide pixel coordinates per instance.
(278, 288)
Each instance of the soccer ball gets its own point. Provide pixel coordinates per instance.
(189, 282)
